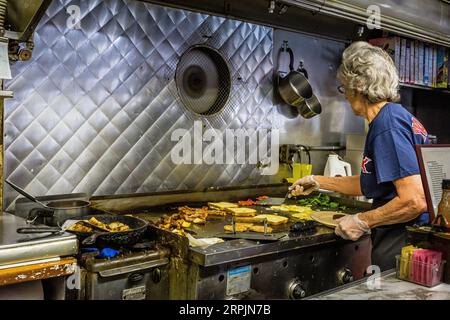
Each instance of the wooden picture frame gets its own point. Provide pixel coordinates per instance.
(423, 174)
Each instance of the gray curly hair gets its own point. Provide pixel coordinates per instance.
(370, 71)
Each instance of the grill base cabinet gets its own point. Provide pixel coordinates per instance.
(127, 286)
(293, 274)
(141, 276)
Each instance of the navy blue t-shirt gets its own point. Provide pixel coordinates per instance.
(389, 153)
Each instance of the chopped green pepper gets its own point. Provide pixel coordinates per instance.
(321, 200)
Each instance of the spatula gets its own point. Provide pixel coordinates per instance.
(279, 201)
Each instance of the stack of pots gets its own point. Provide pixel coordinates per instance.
(296, 91)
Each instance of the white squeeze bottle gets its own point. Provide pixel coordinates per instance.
(337, 167)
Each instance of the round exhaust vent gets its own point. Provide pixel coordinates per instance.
(203, 80)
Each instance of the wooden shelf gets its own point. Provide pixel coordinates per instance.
(38, 271)
(417, 86)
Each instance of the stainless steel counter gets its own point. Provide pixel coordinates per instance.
(390, 288)
(15, 247)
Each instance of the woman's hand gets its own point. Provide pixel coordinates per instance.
(351, 227)
(304, 186)
(345, 185)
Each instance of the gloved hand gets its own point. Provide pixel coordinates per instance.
(308, 182)
(351, 227)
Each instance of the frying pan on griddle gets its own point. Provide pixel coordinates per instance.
(133, 235)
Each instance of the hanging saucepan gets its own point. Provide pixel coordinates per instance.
(310, 107)
(294, 88)
(56, 212)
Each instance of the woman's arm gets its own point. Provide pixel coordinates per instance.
(346, 185)
(408, 204)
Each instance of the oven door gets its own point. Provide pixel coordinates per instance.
(141, 281)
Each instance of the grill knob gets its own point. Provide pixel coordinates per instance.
(136, 277)
(344, 276)
(296, 290)
(156, 275)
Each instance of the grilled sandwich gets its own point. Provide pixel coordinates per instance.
(242, 212)
(222, 205)
(240, 227)
(272, 219)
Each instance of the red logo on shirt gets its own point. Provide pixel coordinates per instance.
(365, 161)
(418, 128)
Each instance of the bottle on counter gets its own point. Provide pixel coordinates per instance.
(335, 167)
(444, 205)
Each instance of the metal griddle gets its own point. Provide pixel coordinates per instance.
(252, 236)
(214, 227)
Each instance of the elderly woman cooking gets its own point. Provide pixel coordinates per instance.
(389, 170)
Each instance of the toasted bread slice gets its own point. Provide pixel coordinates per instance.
(199, 221)
(217, 213)
(260, 229)
(272, 219)
(240, 227)
(249, 219)
(222, 205)
(303, 216)
(242, 212)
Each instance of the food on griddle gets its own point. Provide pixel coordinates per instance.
(240, 227)
(262, 198)
(303, 215)
(98, 223)
(173, 223)
(78, 227)
(177, 222)
(191, 214)
(199, 221)
(321, 200)
(222, 205)
(185, 224)
(248, 202)
(260, 229)
(273, 219)
(292, 208)
(117, 227)
(242, 212)
(216, 213)
(111, 227)
(179, 232)
(249, 219)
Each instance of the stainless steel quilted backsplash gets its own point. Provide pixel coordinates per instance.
(94, 109)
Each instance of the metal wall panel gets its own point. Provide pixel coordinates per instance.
(95, 108)
(321, 59)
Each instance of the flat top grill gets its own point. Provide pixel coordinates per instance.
(236, 249)
(215, 225)
(152, 206)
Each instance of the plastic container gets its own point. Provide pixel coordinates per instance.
(336, 167)
(425, 274)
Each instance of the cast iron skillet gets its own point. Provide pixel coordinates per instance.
(135, 234)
